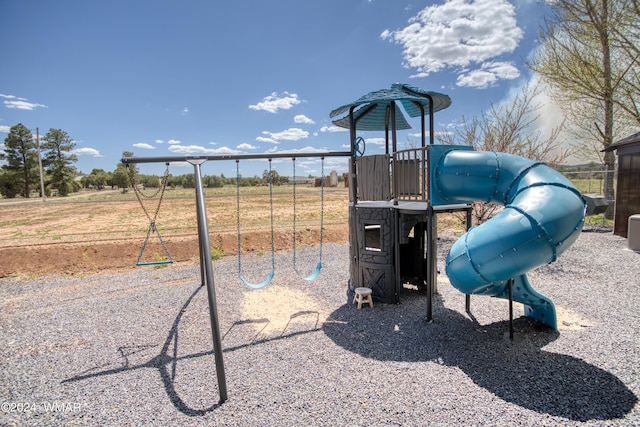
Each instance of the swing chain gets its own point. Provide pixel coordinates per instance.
(273, 254)
(139, 195)
(295, 204)
(152, 220)
(322, 179)
(273, 243)
(321, 204)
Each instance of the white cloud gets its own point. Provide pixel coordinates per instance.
(246, 146)
(291, 134)
(333, 128)
(5, 128)
(301, 118)
(185, 111)
(307, 149)
(87, 152)
(488, 74)
(20, 103)
(159, 141)
(275, 102)
(173, 142)
(198, 149)
(23, 105)
(457, 34)
(269, 140)
(144, 145)
(375, 141)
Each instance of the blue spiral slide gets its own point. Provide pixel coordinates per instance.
(542, 217)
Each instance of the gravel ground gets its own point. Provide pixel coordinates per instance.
(134, 348)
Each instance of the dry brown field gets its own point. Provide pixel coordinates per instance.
(92, 232)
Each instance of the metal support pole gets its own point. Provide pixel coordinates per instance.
(205, 248)
(469, 218)
(201, 252)
(432, 260)
(510, 284)
(202, 270)
(353, 174)
(434, 250)
(396, 254)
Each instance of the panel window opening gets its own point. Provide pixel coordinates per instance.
(373, 237)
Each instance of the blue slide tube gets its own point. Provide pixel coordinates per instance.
(543, 216)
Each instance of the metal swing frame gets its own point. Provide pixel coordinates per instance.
(206, 265)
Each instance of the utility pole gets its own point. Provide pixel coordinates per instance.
(44, 197)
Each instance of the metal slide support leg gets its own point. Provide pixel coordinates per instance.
(469, 218)
(434, 250)
(432, 260)
(205, 248)
(396, 255)
(510, 284)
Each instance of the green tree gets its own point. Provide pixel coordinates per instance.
(9, 185)
(213, 181)
(58, 160)
(98, 178)
(149, 181)
(20, 153)
(275, 177)
(189, 181)
(124, 175)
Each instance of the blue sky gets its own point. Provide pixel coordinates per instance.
(207, 77)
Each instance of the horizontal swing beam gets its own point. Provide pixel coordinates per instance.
(262, 156)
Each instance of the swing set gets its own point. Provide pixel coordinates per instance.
(206, 266)
(271, 274)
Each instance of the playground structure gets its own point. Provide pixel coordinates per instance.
(394, 202)
(395, 199)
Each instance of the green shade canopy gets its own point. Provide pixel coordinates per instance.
(370, 110)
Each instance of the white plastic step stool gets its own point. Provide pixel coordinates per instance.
(363, 296)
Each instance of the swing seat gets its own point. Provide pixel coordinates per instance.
(144, 263)
(315, 273)
(153, 228)
(262, 284)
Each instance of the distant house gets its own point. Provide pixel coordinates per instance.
(628, 186)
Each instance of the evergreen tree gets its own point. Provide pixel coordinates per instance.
(58, 160)
(20, 153)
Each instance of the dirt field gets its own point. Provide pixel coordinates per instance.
(92, 232)
(105, 231)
